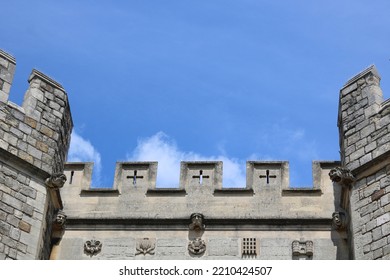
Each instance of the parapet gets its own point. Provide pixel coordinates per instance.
(134, 193)
(39, 131)
(136, 176)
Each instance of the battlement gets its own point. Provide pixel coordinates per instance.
(141, 176)
(134, 193)
(38, 132)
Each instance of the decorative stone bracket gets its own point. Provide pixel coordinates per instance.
(60, 220)
(339, 220)
(342, 176)
(55, 181)
(197, 220)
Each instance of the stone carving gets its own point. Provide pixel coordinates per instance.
(60, 219)
(92, 247)
(56, 181)
(145, 246)
(197, 246)
(339, 220)
(302, 248)
(197, 222)
(342, 176)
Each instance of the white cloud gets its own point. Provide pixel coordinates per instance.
(81, 150)
(163, 149)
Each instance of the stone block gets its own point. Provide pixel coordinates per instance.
(3, 215)
(34, 152)
(385, 199)
(357, 154)
(386, 250)
(364, 239)
(377, 233)
(383, 219)
(379, 244)
(27, 209)
(21, 247)
(8, 241)
(14, 233)
(378, 253)
(6, 208)
(370, 147)
(377, 194)
(11, 201)
(4, 228)
(370, 208)
(385, 229)
(24, 226)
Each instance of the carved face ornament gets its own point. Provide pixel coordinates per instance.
(196, 222)
(92, 246)
(61, 218)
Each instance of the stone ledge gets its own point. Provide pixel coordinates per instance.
(99, 191)
(233, 191)
(166, 191)
(221, 223)
(301, 191)
(369, 69)
(47, 79)
(7, 56)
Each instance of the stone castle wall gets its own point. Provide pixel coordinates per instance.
(34, 139)
(364, 125)
(266, 210)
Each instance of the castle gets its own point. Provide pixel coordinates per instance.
(48, 209)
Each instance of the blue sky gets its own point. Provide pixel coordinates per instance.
(199, 80)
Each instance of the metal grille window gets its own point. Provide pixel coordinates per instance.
(249, 247)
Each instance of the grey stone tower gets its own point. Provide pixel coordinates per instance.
(364, 133)
(34, 140)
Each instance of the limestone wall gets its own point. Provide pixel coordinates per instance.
(266, 211)
(220, 243)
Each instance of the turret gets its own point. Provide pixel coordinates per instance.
(33, 146)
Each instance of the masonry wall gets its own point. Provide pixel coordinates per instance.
(266, 209)
(34, 139)
(364, 125)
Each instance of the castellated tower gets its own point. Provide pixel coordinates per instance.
(34, 140)
(364, 126)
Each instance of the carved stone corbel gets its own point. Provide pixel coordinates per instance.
(92, 247)
(60, 219)
(145, 246)
(342, 176)
(55, 181)
(197, 246)
(339, 220)
(197, 220)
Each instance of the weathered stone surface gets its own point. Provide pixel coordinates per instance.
(223, 247)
